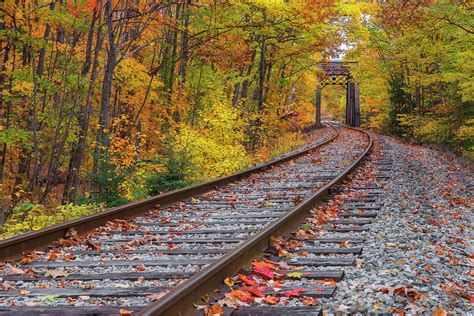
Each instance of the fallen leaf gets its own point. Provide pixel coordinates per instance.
(272, 300)
(48, 298)
(156, 296)
(205, 298)
(125, 312)
(294, 293)
(266, 264)
(91, 245)
(229, 281)
(7, 287)
(245, 279)
(255, 290)
(308, 301)
(56, 274)
(439, 311)
(294, 275)
(230, 301)
(266, 272)
(11, 270)
(140, 268)
(327, 281)
(242, 296)
(24, 292)
(215, 310)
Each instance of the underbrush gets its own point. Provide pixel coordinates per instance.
(178, 166)
(29, 216)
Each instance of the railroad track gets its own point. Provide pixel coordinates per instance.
(163, 261)
(298, 274)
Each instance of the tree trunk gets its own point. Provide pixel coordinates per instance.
(77, 153)
(245, 83)
(103, 133)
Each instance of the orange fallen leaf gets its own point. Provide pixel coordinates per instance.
(125, 312)
(215, 310)
(272, 300)
(439, 311)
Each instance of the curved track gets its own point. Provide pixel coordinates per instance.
(127, 264)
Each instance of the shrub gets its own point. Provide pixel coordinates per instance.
(29, 216)
(174, 175)
(108, 183)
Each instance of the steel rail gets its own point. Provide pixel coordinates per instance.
(180, 300)
(13, 247)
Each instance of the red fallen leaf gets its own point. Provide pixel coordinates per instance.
(294, 293)
(266, 272)
(272, 300)
(140, 268)
(253, 290)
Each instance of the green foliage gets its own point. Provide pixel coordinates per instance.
(29, 216)
(174, 175)
(108, 183)
(416, 72)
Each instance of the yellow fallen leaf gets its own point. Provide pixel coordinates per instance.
(229, 281)
(400, 261)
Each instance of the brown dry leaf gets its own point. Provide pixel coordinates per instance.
(93, 246)
(229, 301)
(11, 270)
(205, 298)
(56, 274)
(156, 296)
(28, 257)
(7, 287)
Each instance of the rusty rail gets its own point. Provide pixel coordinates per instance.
(12, 248)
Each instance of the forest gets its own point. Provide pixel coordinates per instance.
(104, 102)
